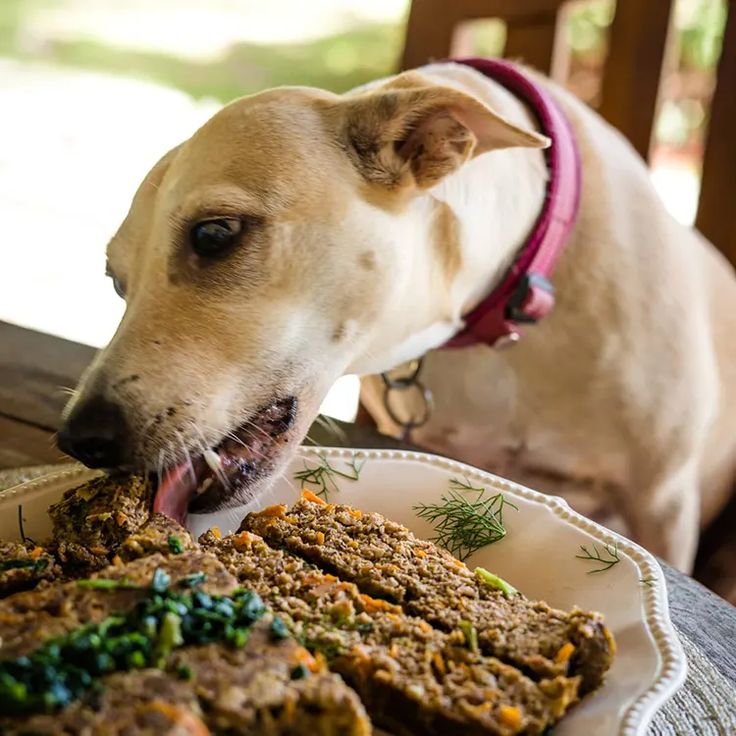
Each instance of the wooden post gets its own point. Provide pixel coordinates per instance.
(716, 219)
(531, 24)
(637, 49)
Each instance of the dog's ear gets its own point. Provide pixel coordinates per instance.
(412, 132)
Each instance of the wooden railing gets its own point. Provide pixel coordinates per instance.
(638, 46)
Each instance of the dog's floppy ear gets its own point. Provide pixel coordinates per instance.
(413, 132)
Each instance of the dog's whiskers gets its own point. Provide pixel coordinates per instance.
(187, 458)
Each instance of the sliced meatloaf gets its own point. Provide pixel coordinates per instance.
(258, 690)
(30, 617)
(386, 560)
(412, 678)
(111, 517)
(224, 664)
(23, 566)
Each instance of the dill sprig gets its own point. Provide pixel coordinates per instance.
(596, 555)
(324, 475)
(464, 525)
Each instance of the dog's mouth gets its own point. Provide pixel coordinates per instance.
(224, 474)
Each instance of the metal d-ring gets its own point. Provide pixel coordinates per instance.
(406, 383)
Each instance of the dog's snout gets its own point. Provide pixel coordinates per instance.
(95, 433)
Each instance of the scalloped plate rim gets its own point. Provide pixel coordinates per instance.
(672, 669)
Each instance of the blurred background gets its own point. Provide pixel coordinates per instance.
(92, 92)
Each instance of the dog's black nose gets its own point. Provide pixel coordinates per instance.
(94, 433)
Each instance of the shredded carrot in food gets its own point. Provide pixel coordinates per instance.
(424, 626)
(419, 553)
(117, 561)
(359, 652)
(305, 658)
(36, 552)
(439, 663)
(183, 717)
(376, 604)
(509, 715)
(121, 518)
(242, 540)
(278, 509)
(307, 495)
(355, 513)
(564, 653)
(320, 537)
(216, 533)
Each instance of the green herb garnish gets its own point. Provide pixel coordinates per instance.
(278, 629)
(184, 672)
(175, 544)
(597, 555)
(25, 562)
(64, 668)
(493, 581)
(108, 584)
(193, 580)
(471, 635)
(649, 582)
(300, 672)
(464, 525)
(323, 476)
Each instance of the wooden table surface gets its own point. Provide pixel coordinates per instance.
(34, 368)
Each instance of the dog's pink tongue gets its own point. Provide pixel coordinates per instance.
(176, 490)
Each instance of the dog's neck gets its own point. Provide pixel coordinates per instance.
(492, 203)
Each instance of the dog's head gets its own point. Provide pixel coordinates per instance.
(262, 258)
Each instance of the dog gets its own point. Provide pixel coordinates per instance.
(300, 235)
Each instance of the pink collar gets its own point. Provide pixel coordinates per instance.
(525, 294)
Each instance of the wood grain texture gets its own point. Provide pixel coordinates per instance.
(22, 444)
(432, 23)
(638, 45)
(716, 219)
(33, 369)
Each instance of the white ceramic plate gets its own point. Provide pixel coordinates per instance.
(537, 556)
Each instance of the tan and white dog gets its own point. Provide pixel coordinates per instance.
(300, 235)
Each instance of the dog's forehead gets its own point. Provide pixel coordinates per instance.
(266, 142)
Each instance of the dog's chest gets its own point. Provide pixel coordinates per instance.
(489, 415)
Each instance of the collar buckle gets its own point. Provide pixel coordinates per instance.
(531, 300)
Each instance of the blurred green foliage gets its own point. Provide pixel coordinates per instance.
(336, 62)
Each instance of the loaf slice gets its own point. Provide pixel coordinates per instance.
(385, 560)
(413, 679)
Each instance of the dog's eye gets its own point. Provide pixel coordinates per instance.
(213, 238)
(117, 284)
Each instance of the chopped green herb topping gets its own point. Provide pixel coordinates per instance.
(108, 584)
(175, 544)
(20, 563)
(278, 629)
(471, 635)
(193, 580)
(160, 581)
(64, 668)
(184, 672)
(493, 581)
(300, 672)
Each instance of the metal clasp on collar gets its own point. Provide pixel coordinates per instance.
(531, 300)
(407, 383)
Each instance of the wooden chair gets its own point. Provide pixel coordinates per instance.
(638, 52)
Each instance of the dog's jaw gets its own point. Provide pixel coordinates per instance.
(230, 473)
